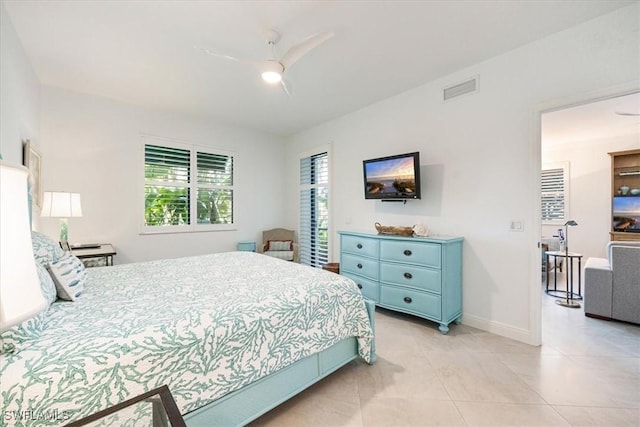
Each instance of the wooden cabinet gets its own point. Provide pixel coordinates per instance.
(625, 203)
(414, 275)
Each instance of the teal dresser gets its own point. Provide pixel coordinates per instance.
(416, 275)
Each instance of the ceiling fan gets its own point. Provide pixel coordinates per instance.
(272, 69)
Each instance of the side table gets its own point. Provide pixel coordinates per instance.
(569, 272)
(104, 251)
(247, 246)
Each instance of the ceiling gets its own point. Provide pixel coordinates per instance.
(142, 52)
(595, 121)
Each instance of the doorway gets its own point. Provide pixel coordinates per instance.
(578, 135)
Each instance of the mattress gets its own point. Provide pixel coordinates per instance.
(204, 325)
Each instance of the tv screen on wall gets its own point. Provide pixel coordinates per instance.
(626, 214)
(393, 177)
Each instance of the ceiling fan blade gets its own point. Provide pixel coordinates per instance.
(298, 51)
(257, 64)
(286, 87)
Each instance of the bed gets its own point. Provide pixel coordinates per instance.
(232, 335)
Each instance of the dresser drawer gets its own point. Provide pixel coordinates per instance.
(427, 254)
(411, 301)
(359, 265)
(368, 287)
(412, 276)
(360, 245)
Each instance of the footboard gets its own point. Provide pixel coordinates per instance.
(255, 399)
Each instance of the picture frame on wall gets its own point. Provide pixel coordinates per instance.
(32, 159)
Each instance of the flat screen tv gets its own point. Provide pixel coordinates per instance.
(393, 177)
(626, 214)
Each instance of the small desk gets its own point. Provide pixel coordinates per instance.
(569, 271)
(105, 251)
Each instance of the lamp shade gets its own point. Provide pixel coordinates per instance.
(20, 294)
(58, 204)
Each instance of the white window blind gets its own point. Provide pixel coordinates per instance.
(186, 188)
(554, 192)
(314, 210)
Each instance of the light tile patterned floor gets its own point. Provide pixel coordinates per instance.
(586, 373)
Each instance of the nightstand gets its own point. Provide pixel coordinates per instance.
(247, 246)
(103, 252)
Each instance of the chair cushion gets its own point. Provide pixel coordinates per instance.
(285, 255)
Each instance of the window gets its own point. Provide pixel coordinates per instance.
(314, 210)
(554, 186)
(186, 188)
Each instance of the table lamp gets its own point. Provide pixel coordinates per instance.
(569, 301)
(20, 294)
(63, 205)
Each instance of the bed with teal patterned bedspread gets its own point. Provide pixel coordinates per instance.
(205, 326)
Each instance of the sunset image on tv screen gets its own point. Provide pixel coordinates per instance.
(391, 176)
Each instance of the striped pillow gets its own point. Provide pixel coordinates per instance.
(69, 276)
(280, 245)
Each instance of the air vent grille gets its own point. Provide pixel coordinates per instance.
(469, 86)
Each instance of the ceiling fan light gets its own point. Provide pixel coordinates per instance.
(272, 77)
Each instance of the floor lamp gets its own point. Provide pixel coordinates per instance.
(569, 301)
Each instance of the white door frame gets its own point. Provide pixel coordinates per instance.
(535, 290)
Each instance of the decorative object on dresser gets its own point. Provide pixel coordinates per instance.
(20, 294)
(393, 230)
(419, 276)
(625, 192)
(63, 205)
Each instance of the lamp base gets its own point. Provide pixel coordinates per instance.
(568, 303)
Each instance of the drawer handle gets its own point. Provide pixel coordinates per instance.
(359, 245)
(359, 286)
(408, 275)
(408, 300)
(407, 252)
(359, 265)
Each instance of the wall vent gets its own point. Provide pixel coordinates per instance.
(466, 87)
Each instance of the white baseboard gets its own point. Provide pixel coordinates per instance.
(507, 331)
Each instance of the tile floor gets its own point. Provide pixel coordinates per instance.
(586, 373)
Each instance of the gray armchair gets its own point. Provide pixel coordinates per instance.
(612, 284)
(273, 244)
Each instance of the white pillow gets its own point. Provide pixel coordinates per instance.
(69, 275)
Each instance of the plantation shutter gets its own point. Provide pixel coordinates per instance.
(214, 189)
(553, 194)
(314, 210)
(167, 173)
(186, 188)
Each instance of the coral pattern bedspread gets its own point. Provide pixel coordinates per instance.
(204, 325)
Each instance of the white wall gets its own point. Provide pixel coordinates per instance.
(19, 94)
(480, 160)
(589, 189)
(92, 146)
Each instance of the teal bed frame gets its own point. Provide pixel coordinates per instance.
(255, 399)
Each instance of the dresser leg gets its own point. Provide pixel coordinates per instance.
(458, 321)
(443, 328)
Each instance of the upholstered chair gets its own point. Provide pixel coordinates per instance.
(280, 243)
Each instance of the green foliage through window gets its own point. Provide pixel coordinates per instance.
(169, 187)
